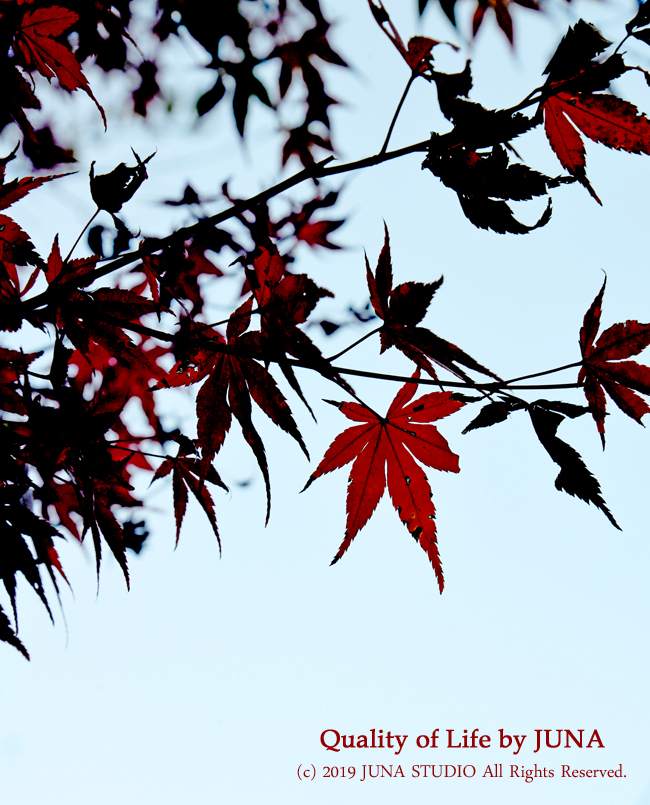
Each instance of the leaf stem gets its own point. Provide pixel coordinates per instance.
(318, 171)
(352, 346)
(231, 350)
(547, 372)
(622, 42)
(232, 317)
(443, 143)
(451, 383)
(384, 147)
(114, 446)
(74, 245)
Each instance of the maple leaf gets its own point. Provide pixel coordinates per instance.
(301, 141)
(13, 191)
(17, 558)
(94, 324)
(314, 233)
(605, 368)
(608, 120)
(418, 52)
(18, 188)
(572, 104)
(296, 56)
(481, 180)
(233, 381)
(175, 272)
(285, 301)
(401, 310)
(573, 66)
(187, 475)
(18, 521)
(13, 366)
(247, 85)
(77, 269)
(15, 245)
(41, 147)
(499, 410)
(384, 452)
(574, 478)
(546, 416)
(567, 143)
(500, 7)
(208, 30)
(605, 119)
(494, 412)
(148, 88)
(7, 635)
(41, 51)
(111, 190)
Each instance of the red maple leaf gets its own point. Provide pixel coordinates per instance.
(605, 119)
(233, 382)
(41, 51)
(285, 301)
(314, 233)
(13, 191)
(418, 53)
(605, 369)
(13, 365)
(504, 20)
(186, 475)
(384, 450)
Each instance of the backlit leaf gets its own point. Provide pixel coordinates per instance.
(384, 453)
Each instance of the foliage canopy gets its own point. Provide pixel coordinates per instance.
(130, 326)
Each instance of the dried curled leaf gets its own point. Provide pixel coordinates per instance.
(111, 190)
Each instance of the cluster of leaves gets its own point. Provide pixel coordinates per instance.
(119, 341)
(472, 158)
(499, 7)
(54, 39)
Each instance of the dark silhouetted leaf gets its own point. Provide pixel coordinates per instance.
(111, 190)
(494, 412)
(574, 477)
(487, 213)
(605, 368)
(404, 307)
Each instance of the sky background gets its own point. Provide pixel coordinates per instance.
(212, 679)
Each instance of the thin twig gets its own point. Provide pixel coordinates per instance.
(547, 372)
(74, 245)
(430, 382)
(356, 343)
(214, 346)
(156, 244)
(384, 147)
